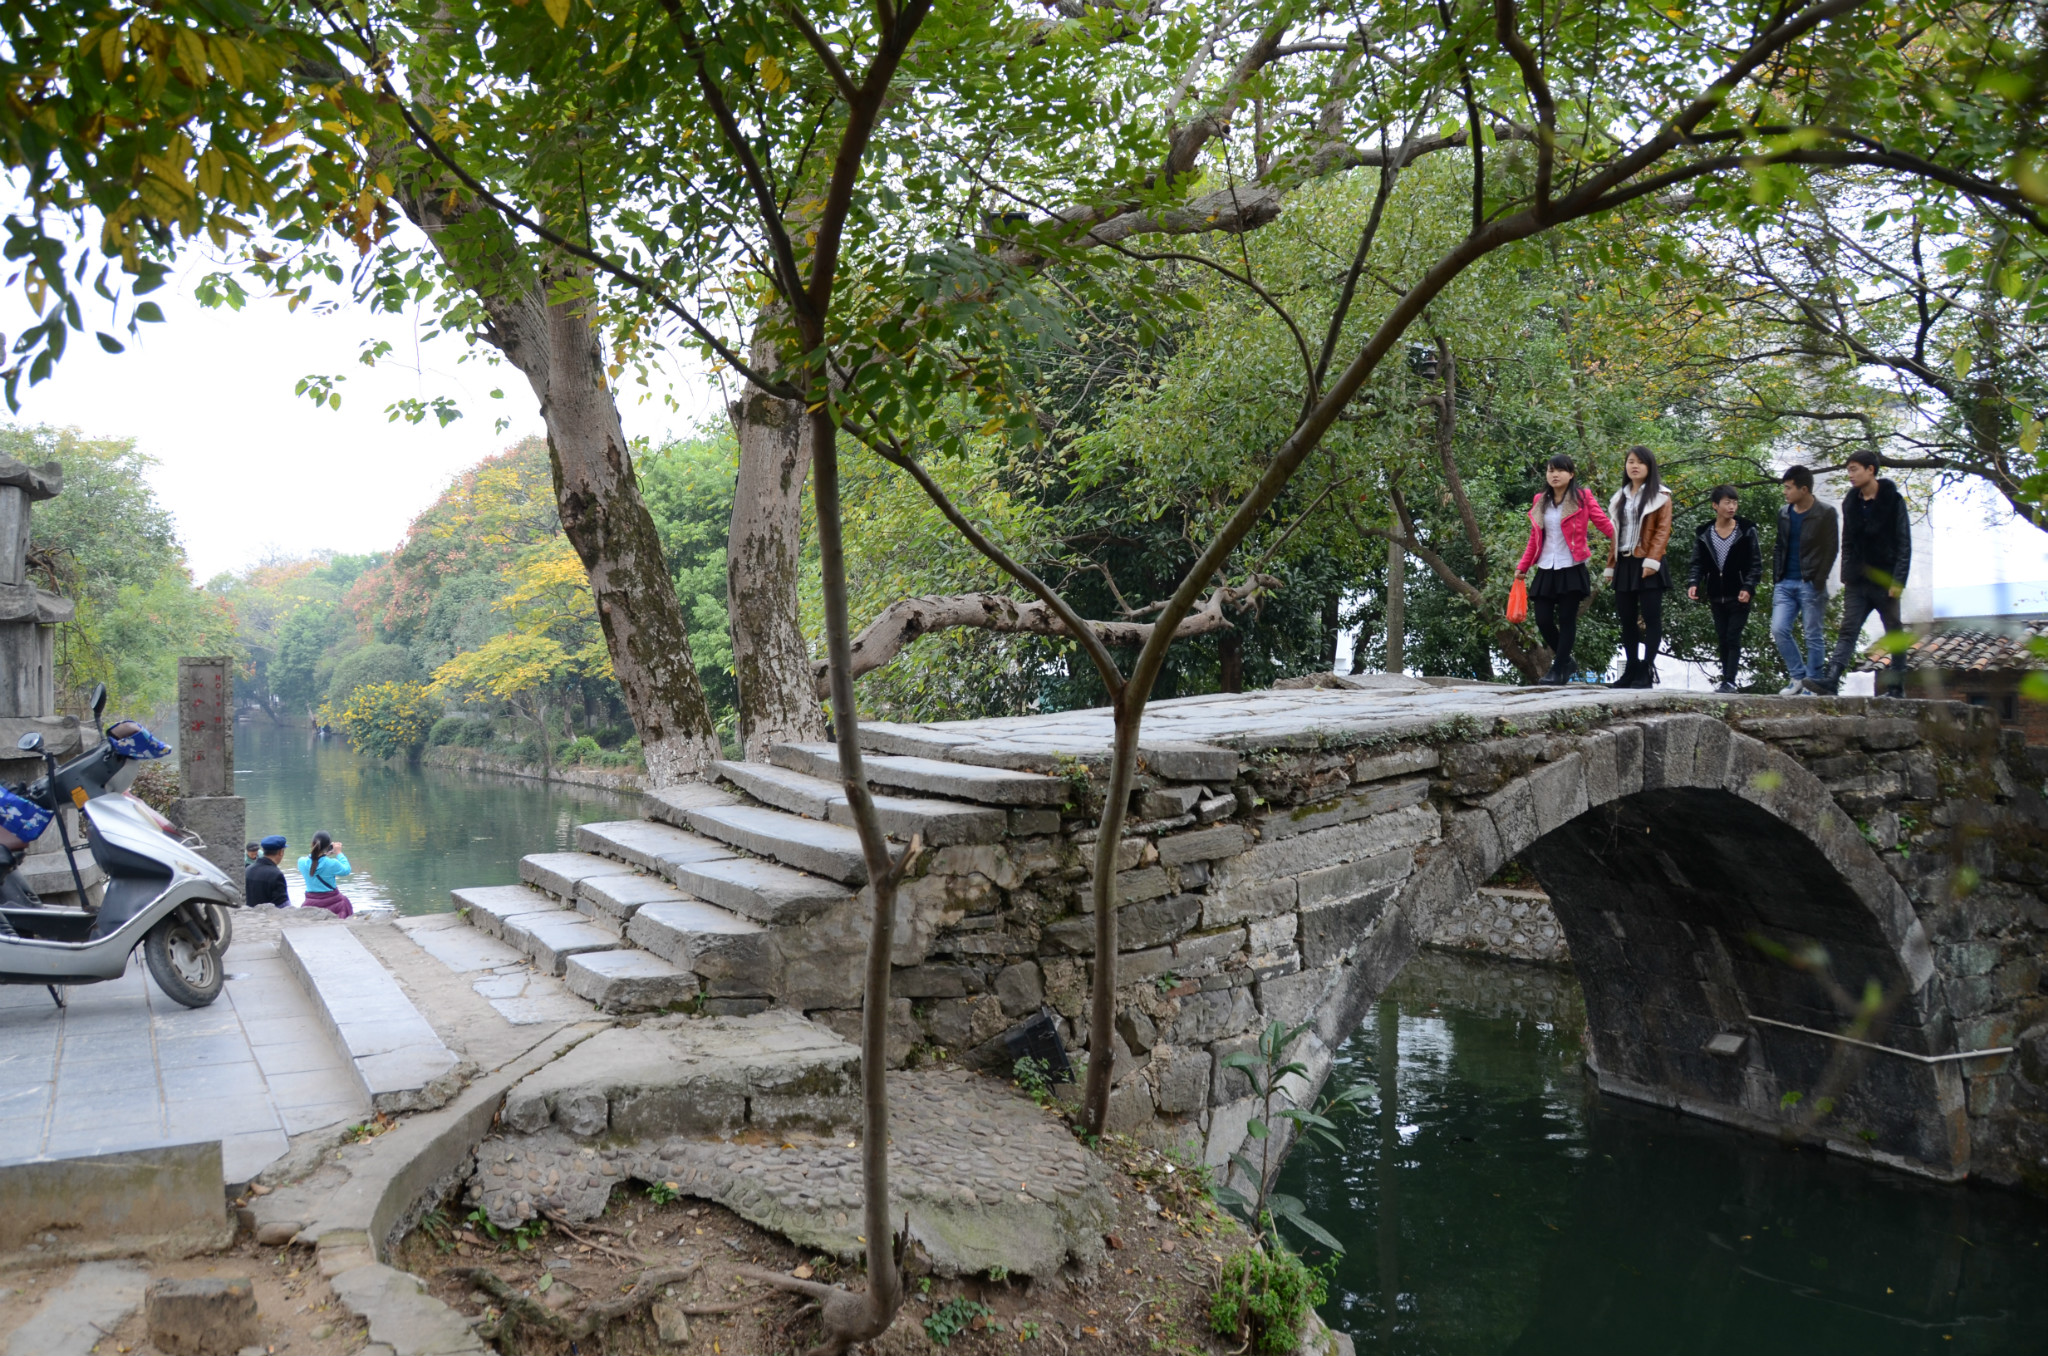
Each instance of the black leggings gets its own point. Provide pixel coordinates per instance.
(1730, 617)
(1642, 621)
(1558, 620)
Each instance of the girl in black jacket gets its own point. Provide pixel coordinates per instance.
(1728, 563)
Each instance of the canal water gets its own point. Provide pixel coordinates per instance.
(1491, 1204)
(411, 835)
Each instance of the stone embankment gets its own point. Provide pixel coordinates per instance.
(625, 780)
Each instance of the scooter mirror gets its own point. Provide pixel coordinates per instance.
(32, 742)
(99, 700)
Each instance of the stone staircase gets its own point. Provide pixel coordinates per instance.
(748, 893)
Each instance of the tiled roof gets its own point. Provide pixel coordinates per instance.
(1974, 651)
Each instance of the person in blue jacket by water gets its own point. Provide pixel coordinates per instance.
(323, 868)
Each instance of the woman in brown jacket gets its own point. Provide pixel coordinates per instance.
(1641, 511)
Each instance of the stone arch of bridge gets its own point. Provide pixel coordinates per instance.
(1685, 861)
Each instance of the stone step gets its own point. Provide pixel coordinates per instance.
(629, 981)
(611, 901)
(762, 891)
(771, 1073)
(961, 781)
(828, 850)
(941, 823)
(550, 939)
(684, 930)
(672, 804)
(391, 1049)
(490, 907)
(647, 843)
(559, 873)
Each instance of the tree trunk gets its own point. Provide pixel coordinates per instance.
(1397, 610)
(556, 348)
(1230, 653)
(763, 552)
(614, 536)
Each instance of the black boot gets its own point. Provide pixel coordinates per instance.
(1564, 668)
(1630, 671)
(1550, 678)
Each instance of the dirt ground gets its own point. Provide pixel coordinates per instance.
(298, 1311)
(1150, 1295)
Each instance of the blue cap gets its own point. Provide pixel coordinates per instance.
(274, 843)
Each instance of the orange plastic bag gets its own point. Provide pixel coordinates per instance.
(1518, 603)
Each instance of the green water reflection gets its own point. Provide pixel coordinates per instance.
(1493, 1205)
(411, 835)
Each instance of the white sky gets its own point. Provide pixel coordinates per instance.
(251, 469)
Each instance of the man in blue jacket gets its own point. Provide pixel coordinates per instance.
(1877, 554)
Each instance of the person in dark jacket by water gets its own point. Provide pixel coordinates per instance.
(1877, 554)
(263, 882)
(1727, 565)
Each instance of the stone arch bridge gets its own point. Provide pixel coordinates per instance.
(1734, 876)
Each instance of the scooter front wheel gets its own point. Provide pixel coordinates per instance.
(183, 963)
(223, 924)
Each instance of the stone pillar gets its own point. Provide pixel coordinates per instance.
(28, 616)
(207, 804)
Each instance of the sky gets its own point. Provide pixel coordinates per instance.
(251, 470)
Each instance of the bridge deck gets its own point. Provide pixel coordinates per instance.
(1276, 718)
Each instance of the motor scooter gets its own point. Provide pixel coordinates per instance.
(160, 895)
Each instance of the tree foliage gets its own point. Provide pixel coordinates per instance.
(386, 720)
(109, 544)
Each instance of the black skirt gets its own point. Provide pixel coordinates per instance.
(1629, 577)
(1567, 583)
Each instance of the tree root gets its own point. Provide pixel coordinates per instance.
(594, 1319)
(848, 1317)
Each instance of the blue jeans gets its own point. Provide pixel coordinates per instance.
(1809, 602)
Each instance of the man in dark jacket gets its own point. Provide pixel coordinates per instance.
(1803, 557)
(1727, 564)
(263, 882)
(1877, 553)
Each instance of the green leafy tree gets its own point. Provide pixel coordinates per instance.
(386, 720)
(372, 664)
(108, 543)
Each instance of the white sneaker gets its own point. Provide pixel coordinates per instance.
(1793, 688)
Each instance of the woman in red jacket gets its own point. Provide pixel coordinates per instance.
(1557, 547)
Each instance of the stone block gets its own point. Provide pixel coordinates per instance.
(1329, 847)
(1134, 887)
(1237, 900)
(1483, 766)
(1472, 836)
(1180, 1079)
(1130, 1107)
(1336, 884)
(559, 873)
(222, 821)
(1513, 811)
(904, 1033)
(1168, 802)
(1200, 955)
(1328, 932)
(1224, 840)
(1557, 791)
(936, 981)
(1270, 935)
(1345, 809)
(1028, 823)
(1137, 1030)
(1206, 1017)
(629, 981)
(960, 1024)
(203, 1317)
(166, 1199)
(1400, 761)
(1292, 999)
(1175, 761)
(1020, 989)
